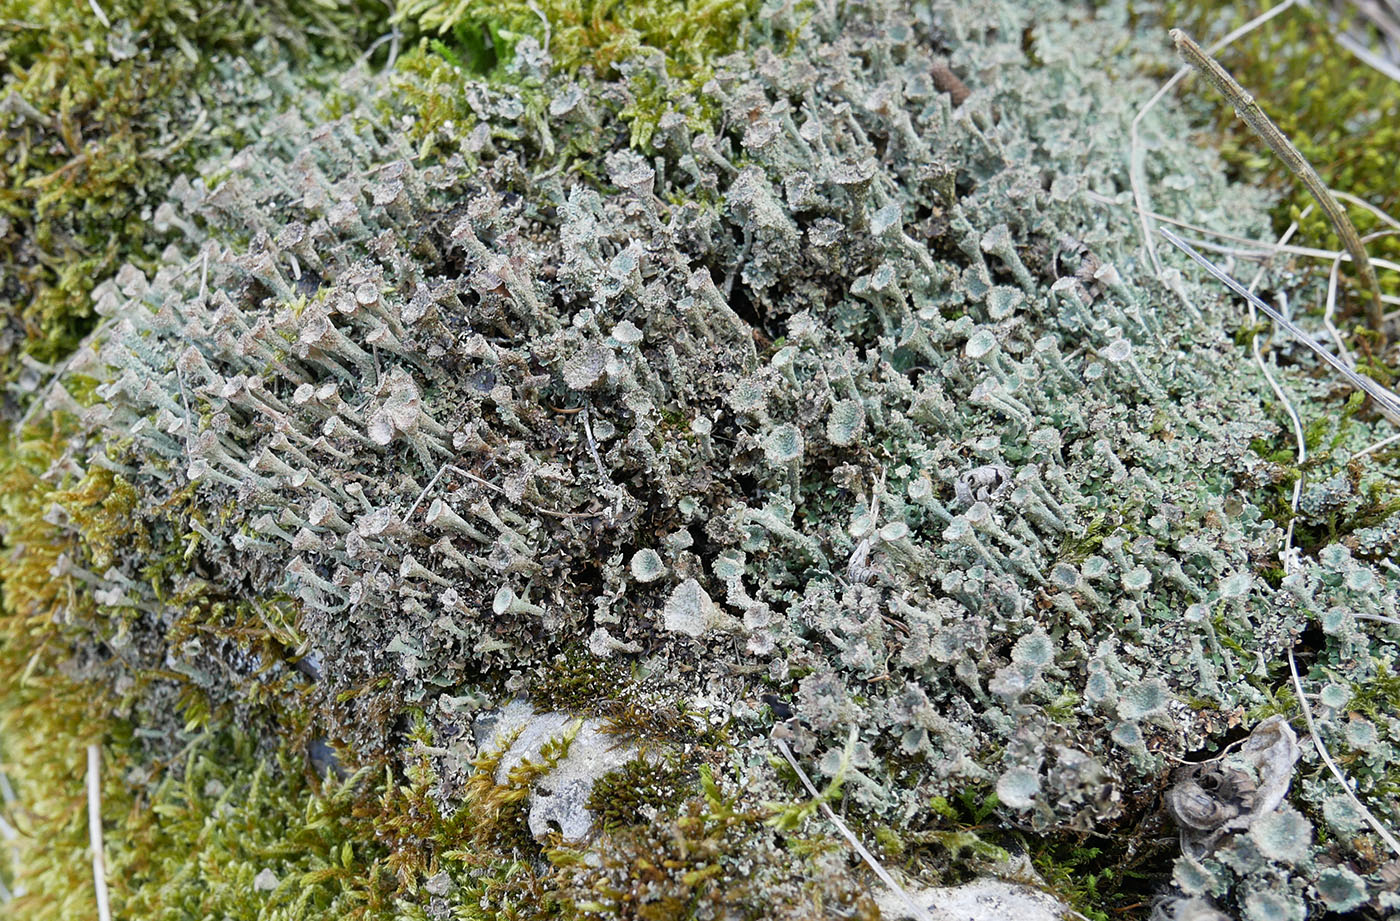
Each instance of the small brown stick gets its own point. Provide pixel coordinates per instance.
(948, 82)
(1253, 116)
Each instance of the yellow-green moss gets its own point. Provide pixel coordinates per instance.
(46, 719)
(102, 115)
(196, 846)
(673, 44)
(596, 33)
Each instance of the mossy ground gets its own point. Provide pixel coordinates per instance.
(1343, 116)
(100, 115)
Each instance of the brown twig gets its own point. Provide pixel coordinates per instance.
(948, 82)
(1248, 110)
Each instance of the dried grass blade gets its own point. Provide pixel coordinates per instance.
(1387, 401)
(1248, 110)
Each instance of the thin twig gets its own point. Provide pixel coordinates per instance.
(1368, 57)
(388, 37)
(1331, 310)
(189, 416)
(1386, 401)
(100, 14)
(99, 860)
(1260, 124)
(1263, 255)
(1384, 17)
(548, 30)
(162, 153)
(593, 445)
(1286, 554)
(1364, 204)
(919, 911)
(562, 516)
(411, 509)
(1377, 446)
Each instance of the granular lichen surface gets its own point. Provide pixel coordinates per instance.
(484, 458)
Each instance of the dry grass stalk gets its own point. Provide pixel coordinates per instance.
(99, 860)
(1386, 401)
(1248, 110)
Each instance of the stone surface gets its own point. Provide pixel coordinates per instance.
(559, 798)
(979, 900)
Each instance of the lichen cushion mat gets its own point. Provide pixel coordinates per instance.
(687, 459)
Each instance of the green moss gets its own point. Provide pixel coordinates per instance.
(577, 682)
(188, 836)
(103, 116)
(33, 598)
(667, 47)
(46, 719)
(954, 839)
(713, 859)
(1073, 875)
(241, 834)
(1077, 549)
(1105, 877)
(597, 33)
(641, 786)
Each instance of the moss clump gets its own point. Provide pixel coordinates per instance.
(497, 811)
(600, 34)
(641, 791)
(235, 832)
(45, 718)
(99, 114)
(709, 858)
(577, 682)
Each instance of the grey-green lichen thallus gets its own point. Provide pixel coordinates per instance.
(594, 469)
